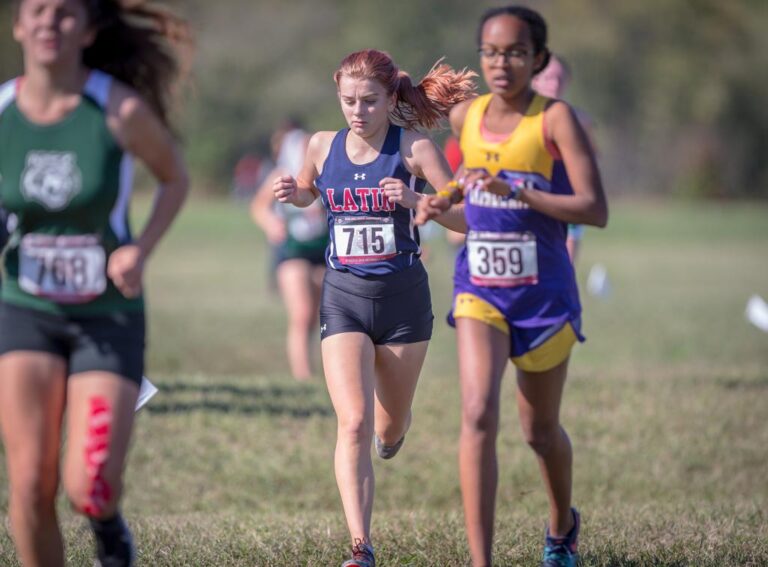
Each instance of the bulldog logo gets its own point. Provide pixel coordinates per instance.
(51, 178)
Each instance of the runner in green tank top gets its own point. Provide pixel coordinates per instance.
(298, 238)
(72, 313)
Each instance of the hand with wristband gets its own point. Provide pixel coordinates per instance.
(432, 206)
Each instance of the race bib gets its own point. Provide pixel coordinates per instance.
(502, 259)
(362, 240)
(65, 269)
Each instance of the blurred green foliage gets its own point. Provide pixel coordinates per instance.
(676, 89)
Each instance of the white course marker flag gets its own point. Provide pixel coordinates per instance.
(597, 282)
(757, 312)
(147, 390)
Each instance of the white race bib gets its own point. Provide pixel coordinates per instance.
(65, 269)
(502, 259)
(362, 240)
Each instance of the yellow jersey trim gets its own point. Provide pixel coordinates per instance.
(546, 356)
(472, 307)
(550, 353)
(523, 151)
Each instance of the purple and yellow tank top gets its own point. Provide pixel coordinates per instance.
(515, 257)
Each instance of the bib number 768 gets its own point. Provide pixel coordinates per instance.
(66, 269)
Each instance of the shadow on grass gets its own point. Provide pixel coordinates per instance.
(297, 401)
(223, 388)
(737, 384)
(619, 560)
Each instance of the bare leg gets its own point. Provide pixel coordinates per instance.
(538, 401)
(397, 373)
(32, 397)
(100, 413)
(301, 303)
(348, 360)
(483, 354)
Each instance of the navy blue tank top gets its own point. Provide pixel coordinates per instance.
(368, 234)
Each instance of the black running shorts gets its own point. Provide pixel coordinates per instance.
(394, 308)
(111, 343)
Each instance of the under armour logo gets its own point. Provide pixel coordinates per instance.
(323, 328)
(491, 156)
(359, 176)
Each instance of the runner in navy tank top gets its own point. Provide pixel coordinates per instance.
(375, 311)
(370, 235)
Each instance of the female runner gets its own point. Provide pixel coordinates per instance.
(515, 295)
(96, 84)
(375, 311)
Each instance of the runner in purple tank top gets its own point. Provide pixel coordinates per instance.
(515, 294)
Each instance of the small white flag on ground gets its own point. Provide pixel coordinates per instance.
(597, 281)
(147, 390)
(757, 312)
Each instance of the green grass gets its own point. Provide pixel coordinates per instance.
(666, 406)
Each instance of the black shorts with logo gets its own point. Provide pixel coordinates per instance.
(394, 308)
(109, 343)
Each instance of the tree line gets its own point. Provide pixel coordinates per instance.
(676, 89)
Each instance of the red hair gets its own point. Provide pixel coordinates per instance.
(424, 104)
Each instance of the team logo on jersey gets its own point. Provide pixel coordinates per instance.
(51, 178)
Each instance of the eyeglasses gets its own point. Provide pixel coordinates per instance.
(512, 54)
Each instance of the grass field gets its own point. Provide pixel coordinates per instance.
(667, 407)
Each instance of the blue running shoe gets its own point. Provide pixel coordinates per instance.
(362, 555)
(563, 551)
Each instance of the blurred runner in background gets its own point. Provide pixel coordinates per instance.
(298, 237)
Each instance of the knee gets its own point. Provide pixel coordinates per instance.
(35, 489)
(95, 497)
(390, 433)
(541, 436)
(301, 319)
(479, 417)
(355, 428)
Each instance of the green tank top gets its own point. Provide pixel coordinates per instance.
(68, 187)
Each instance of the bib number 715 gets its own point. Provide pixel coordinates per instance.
(364, 240)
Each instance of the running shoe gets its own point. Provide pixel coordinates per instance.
(114, 543)
(387, 451)
(362, 555)
(563, 551)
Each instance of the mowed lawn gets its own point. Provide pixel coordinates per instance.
(666, 405)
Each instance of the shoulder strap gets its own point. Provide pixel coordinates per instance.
(537, 105)
(8, 93)
(98, 87)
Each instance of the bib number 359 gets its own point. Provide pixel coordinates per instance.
(364, 240)
(65, 269)
(502, 259)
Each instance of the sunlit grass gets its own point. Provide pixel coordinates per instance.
(232, 461)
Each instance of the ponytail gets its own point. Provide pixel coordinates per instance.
(424, 104)
(430, 101)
